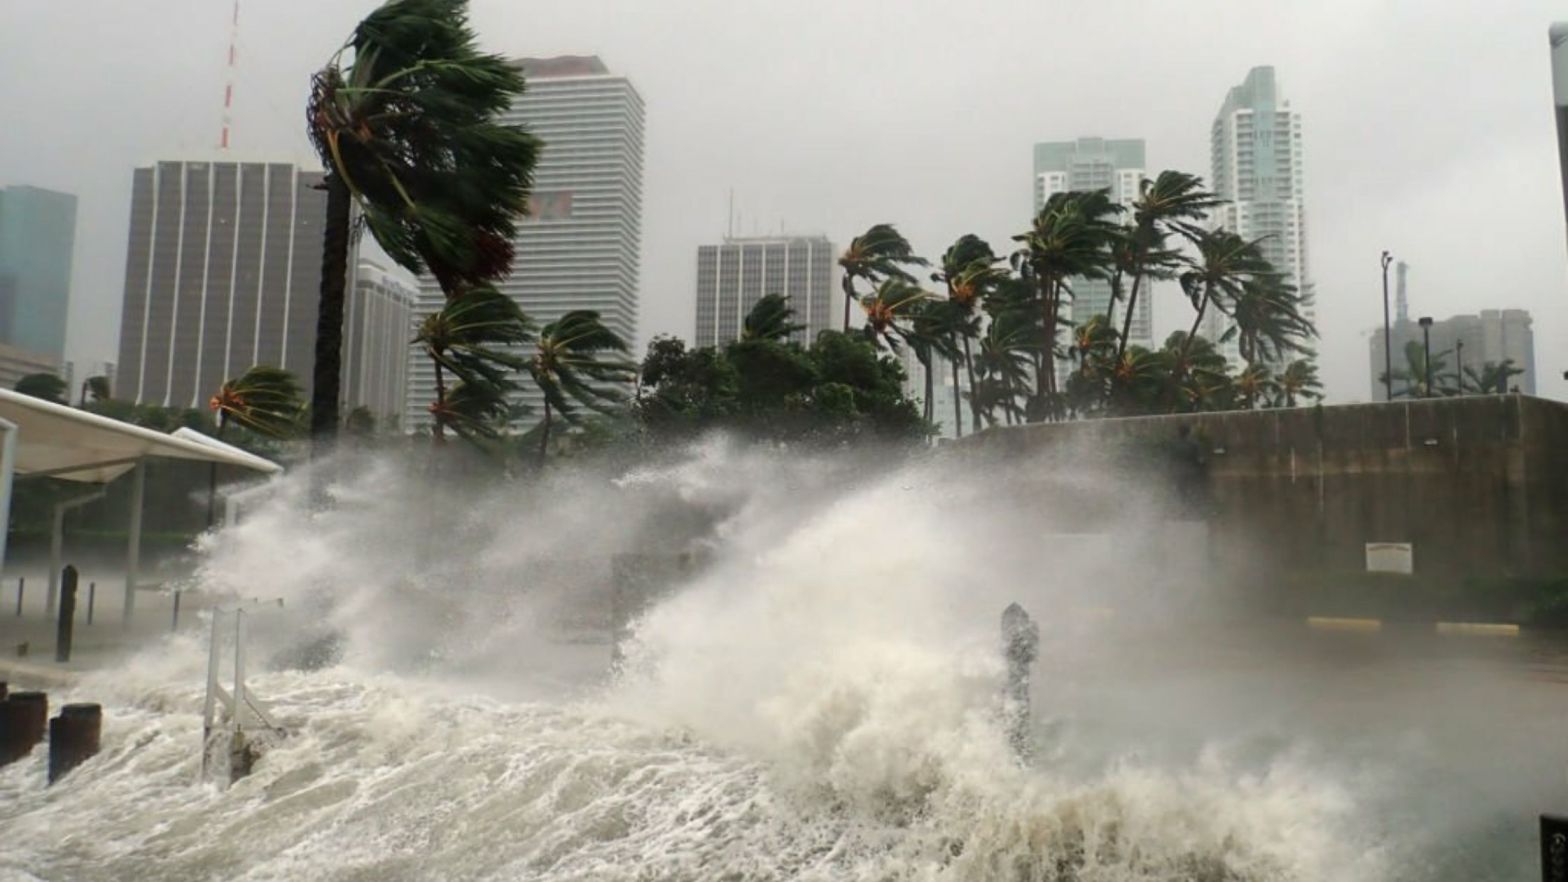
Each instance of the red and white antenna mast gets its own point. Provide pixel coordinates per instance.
(228, 85)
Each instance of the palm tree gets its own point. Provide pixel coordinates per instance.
(1070, 238)
(1266, 320)
(569, 360)
(970, 270)
(1300, 379)
(1004, 363)
(770, 319)
(1414, 373)
(1173, 198)
(877, 254)
(95, 388)
(1092, 353)
(1225, 261)
(266, 400)
(1489, 378)
(932, 329)
(404, 119)
(889, 310)
(46, 386)
(1255, 383)
(474, 336)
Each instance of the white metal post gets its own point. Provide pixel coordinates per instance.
(7, 467)
(133, 550)
(57, 546)
(239, 669)
(210, 704)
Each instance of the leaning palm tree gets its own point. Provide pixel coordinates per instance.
(1267, 321)
(95, 389)
(265, 400)
(1070, 238)
(1299, 379)
(1169, 200)
(770, 319)
(1489, 378)
(971, 272)
(404, 117)
(889, 310)
(1225, 261)
(570, 366)
(474, 337)
(1004, 363)
(877, 254)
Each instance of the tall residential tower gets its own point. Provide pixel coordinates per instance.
(1255, 145)
(732, 277)
(579, 246)
(1095, 164)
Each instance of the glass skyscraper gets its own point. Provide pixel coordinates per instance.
(37, 236)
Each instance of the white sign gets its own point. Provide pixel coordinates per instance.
(1390, 557)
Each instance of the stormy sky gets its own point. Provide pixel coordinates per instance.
(1428, 125)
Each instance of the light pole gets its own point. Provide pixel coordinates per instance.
(1459, 362)
(1426, 345)
(1388, 338)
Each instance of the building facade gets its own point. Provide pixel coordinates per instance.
(17, 363)
(223, 272)
(1096, 164)
(1256, 152)
(37, 237)
(378, 325)
(732, 277)
(1461, 344)
(579, 247)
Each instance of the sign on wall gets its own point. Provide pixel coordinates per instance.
(1391, 557)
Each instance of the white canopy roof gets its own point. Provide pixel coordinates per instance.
(74, 445)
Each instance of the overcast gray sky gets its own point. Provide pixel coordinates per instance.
(1428, 125)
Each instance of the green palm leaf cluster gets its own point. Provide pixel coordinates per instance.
(578, 363)
(880, 253)
(266, 400)
(770, 319)
(474, 338)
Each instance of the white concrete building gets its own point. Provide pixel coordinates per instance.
(579, 247)
(378, 323)
(733, 276)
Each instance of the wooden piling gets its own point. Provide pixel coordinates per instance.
(74, 738)
(23, 717)
(92, 595)
(62, 633)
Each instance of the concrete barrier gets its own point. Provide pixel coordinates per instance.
(1331, 623)
(1477, 629)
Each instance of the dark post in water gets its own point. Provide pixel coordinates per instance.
(74, 738)
(23, 716)
(1021, 645)
(62, 634)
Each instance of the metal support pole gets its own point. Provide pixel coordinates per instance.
(7, 468)
(92, 595)
(174, 623)
(65, 626)
(57, 545)
(1388, 338)
(21, 586)
(133, 549)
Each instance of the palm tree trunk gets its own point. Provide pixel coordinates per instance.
(1186, 345)
(849, 297)
(1132, 306)
(327, 374)
(544, 434)
(930, 387)
(439, 429)
(958, 404)
(969, 368)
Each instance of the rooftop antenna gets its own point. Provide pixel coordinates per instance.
(228, 85)
(729, 230)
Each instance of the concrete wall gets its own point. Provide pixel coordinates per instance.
(1479, 484)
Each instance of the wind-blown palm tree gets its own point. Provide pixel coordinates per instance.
(971, 272)
(931, 331)
(877, 254)
(1224, 263)
(1003, 364)
(265, 400)
(474, 337)
(46, 386)
(1266, 320)
(570, 366)
(770, 319)
(1299, 379)
(404, 117)
(1070, 238)
(1415, 373)
(1491, 377)
(95, 389)
(1172, 198)
(889, 311)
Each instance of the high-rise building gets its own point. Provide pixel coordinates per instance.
(223, 272)
(1255, 146)
(377, 327)
(37, 236)
(1095, 164)
(1461, 343)
(1558, 36)
(579, 246)
(732, 277)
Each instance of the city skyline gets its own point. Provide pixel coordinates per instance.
(1459, 344)
(733, 276)
(794, 146)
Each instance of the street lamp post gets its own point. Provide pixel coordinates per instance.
(1388, 339)
(1459, 362)
(1426, 345)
